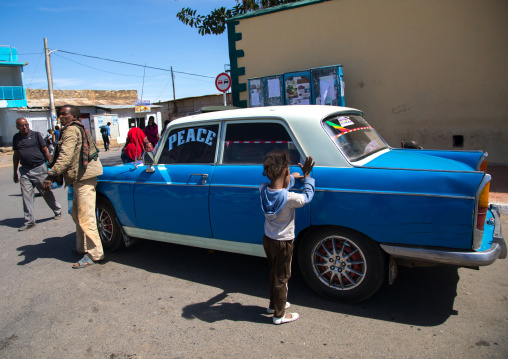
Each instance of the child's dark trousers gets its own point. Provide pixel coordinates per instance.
(279, 254)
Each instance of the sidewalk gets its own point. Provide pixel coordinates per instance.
(498, 185)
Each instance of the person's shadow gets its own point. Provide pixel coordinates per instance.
(18, 222)
(53, 247)
(215, 309)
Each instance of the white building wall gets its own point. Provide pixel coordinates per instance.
(119, 131)
(38, 121)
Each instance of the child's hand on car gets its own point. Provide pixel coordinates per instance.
(307, 166)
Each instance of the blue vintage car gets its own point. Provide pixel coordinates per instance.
(375, 207)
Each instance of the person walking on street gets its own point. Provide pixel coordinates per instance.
(135, 145)
(57, 134)
(152, 131)
(30, 150)
(50, 143)
(106, 134)
(76, 158)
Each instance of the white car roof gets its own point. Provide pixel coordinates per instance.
(303, 120)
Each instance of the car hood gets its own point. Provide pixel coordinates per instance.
(414, 159)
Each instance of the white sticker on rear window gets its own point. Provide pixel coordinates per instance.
(345, 121)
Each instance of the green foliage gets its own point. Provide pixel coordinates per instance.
(215, 21)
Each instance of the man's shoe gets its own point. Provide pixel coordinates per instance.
(26, 226)
(57, 216)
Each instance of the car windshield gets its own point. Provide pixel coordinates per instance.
(354, 136)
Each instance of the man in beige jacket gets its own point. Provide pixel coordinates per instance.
(76, 159)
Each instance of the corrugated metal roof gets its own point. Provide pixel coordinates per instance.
(120, 107)
(81, 102)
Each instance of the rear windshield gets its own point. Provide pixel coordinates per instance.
(354, 136)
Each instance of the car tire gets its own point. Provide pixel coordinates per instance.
(107, 225)
(350, 278)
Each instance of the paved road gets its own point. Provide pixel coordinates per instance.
(157, 300)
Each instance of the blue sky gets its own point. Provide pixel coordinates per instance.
(129, 30)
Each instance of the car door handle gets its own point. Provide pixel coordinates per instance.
(204, 176)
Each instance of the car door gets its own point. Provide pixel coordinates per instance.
(174, 198)
(235, 207)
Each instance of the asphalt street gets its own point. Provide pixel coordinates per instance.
(157, 300)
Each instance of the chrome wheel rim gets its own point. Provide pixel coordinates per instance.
(339, 263)
(104, 224)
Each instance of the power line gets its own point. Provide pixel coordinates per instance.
(36, 67)
(91, 67)
(132, 64)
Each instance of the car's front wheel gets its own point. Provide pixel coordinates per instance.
(342, 264)
(107, 224)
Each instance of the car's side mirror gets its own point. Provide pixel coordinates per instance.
(148, 160)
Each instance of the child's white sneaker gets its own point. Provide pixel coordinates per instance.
(271, 311)
(285, 319)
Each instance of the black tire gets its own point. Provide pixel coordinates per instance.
(350, 278)
(107, 225)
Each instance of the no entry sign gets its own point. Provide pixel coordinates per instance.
(223, 82)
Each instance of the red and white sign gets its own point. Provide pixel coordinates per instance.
(223, 82)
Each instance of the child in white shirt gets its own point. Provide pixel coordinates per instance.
(278, 205)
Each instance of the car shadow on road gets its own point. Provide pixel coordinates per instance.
(420, 297)
(53, 247)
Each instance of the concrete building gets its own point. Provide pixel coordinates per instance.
(97, 108)
(171, 110)
(426, 70)
(12, 91)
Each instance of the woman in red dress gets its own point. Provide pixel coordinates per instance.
(136, 144)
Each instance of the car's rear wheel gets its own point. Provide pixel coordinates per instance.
(107, 225)
(342, 264)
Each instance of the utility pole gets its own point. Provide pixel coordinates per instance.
(52, 119)
(173, 81)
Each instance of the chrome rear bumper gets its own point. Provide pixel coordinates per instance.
(497, 250)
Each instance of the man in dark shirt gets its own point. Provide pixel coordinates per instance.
(106, 134)
(30, 150)
(57, 134)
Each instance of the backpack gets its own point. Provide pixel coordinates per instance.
(104, 130)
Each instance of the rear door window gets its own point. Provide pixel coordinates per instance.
(249, 142)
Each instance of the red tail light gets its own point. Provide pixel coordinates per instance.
(483, 205)
(483, 166)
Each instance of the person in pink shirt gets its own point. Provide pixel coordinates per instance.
(152, 131)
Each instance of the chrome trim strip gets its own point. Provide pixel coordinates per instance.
(415, 169)
(483, 157)
(200, 242)
(498, 234)
(294, 189)
(397, 193)
(359, 191)
(444, 256)
(478, 235)
(112, 181)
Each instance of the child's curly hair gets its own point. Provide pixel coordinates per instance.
(275, 163)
